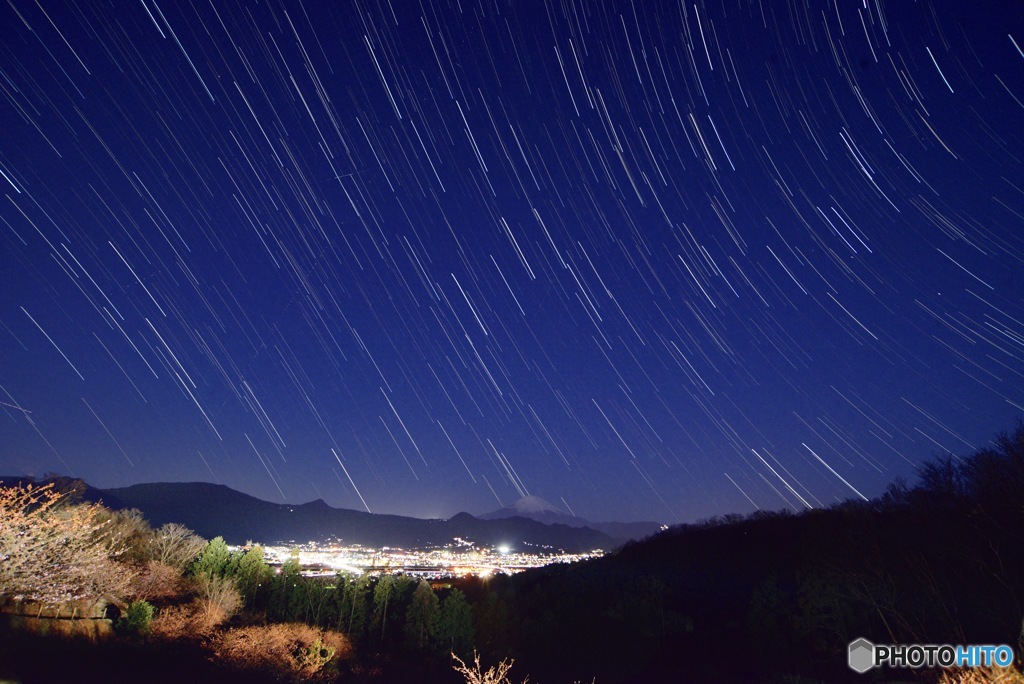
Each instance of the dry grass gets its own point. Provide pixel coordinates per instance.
(179, 622)
(982, 675)
(294, 652)
(216, 601)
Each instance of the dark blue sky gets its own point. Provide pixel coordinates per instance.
(646, 260)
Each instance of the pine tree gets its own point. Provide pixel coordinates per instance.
(355, 608)
(383, 593)
(285, 588)
(214, 560)
(251, 573)
(455, 625)
(421, 618)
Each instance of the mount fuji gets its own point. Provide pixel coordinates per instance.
(537, 509)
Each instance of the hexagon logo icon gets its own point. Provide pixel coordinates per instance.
(861, 657)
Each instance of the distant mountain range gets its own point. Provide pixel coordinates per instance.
(531, 523)
(215, 510)
(536, 508)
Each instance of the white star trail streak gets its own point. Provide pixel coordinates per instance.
(586, 253)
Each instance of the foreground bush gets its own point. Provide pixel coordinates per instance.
(179, 622)
(137, 618)
(294, 652)
(218, 599)
(474, 672)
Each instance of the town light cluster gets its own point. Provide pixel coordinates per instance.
(457, 559)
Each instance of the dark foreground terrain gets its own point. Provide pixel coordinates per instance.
(771, 597)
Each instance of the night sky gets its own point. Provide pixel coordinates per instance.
(648, 260)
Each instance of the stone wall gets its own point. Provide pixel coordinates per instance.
(87, 619)
(93, 629)
(84, 609)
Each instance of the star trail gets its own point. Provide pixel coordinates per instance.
(655, 260)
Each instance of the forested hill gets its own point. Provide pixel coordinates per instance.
(742, 597)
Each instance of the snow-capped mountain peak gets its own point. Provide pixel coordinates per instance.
(532, 505)
(536, 508)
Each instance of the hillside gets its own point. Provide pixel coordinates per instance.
(215, 510)
(772, 596)
(776, 596)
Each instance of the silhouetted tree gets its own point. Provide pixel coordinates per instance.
(493, 628)
(383, 593)
(285, 603)
(421, 618)
(942, 480)
(354, 611)
(389, 595)
(455, 626)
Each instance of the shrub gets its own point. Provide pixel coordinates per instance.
(156, 581)
(316, 656)
(179, 622)
(218, 599)
(476, 674)
(290, 651)
(137, 618)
